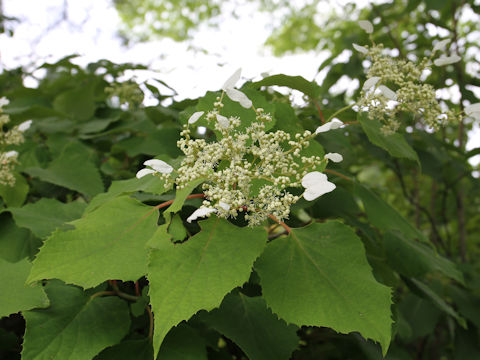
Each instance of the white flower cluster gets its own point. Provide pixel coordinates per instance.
(14, 136)
(250, 170)
(411, 94)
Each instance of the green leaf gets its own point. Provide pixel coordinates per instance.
(46, 215)
(252, 326)
(180, 198)
(163, 141)
(319, 276)
(108, 243)
(15, 295)
(426, 292)
(74, 327)
(177, 229)
(420, 315)
(78, 103)
(385, 217)
(183, 342)
(412, 259)
(15, 195)
(129, 349)
(394, 144)
(196, 274)
(293, 82)
(72, 169)
(16, 243)
(149, 184)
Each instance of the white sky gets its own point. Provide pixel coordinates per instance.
(92, 25)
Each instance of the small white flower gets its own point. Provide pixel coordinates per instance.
(335, 157)
(223, 121)
(366, 25)
(388, 93)
(473, 110)
(447, 60)
(331, 125)
(441, 45)
(224, 205)
(143, 172)
(360, 49)
(195, 116)
(4, 101)
(11, 153)
(202, 212)
(238, 96)
(159, 165)
(232, 80)
(24, 126)
(316, 184)
(369, 83)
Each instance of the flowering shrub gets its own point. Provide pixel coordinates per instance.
(306, 227)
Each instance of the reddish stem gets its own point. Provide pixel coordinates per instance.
(281, 223)
(333, 172)
(170, 202)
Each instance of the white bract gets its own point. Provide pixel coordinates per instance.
(223, 121)
(441, 45)
(10, 154)
(24, 126)
(234, 94)
(447, 60)
(331, 125)
(335, 157)
(366, 25)
(369, 83)
(201, 212)
(360, 49)
(143, 172)
(387, 92)
(4, 101)
(195, 116)
(159, 165)
(316, 184)
(473, 111)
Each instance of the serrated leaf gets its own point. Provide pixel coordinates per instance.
(180, 198)
(73, 170)
(16, 243)
(15, 195)
(394, 144)
(46, 215)
(412, 258)
(176, 229)
(385, 217)
(319, 276)
(15, 295)
(293, 82)
(108, 243)
(150, 184)
(74, 327)
(251, 325)
(196, 274)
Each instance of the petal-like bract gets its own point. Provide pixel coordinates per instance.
(11, 153)
(4, 101)
(387, 92)
(447, 60)
(143, 172)
(335, 157)
(331, 125)
(24, 126)
(313, 178)
(202, 212)
(366, 25)
(369, 83)
(473, 108)
(224, 205)
(159, 165)
(223, 121)
(360, 49)
(441, 45)
(240, 97)
(195, 116)
(232, 80)
(313, 192)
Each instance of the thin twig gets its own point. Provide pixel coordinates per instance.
(336, 173)
(150, 327)
(281, 223)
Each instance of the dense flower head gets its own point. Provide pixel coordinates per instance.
(13, 136)
(395, 85)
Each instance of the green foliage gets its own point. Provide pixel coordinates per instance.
(323, 264)
(385, 263)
